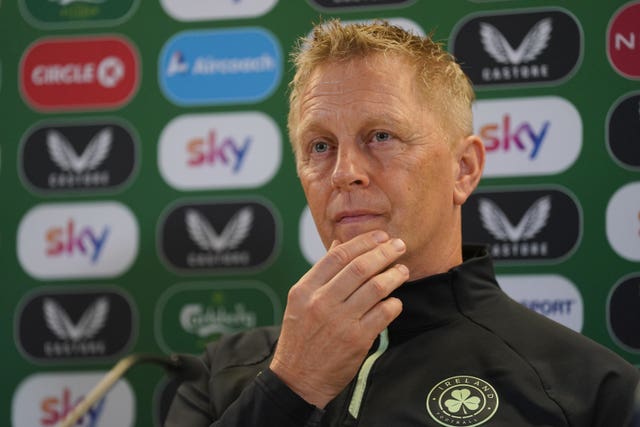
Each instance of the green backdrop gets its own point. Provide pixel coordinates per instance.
(179, 309)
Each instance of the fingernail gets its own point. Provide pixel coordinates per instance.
(402, 268)
(398, 244)
(380, 236)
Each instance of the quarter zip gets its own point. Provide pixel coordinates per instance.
(363, 375)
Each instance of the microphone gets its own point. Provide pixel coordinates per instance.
(183, 366)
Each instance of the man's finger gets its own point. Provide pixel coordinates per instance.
(339, 256)
(363, 268)
(376, 289)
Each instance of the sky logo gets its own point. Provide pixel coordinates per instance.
(57, 241)
(528, 136)
(220, 67)
(44, 400)
(65, 240)
(501, 136)
(211, 151)
(224, 150)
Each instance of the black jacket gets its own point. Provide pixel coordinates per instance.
(461, 353)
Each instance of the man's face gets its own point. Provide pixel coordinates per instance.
(370, 155)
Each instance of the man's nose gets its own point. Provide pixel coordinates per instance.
(350, 170)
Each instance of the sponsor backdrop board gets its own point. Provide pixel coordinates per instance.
(149, 196)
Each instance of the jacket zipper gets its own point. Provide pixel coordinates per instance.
(363, 375)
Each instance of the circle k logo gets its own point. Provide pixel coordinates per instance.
(623, 41)
(79, 73)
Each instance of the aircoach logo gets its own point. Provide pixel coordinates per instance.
(220, 67)
(527, 225)
(190, 316)
(623, 41)
(623, 221)
(552, 296)
(518, 48)
(78, 73)
(196, 10)
(76, 13)
(78, 157)
(219, 236)
(57, 241)
(44, 400)
(73, 326)
(227, 150)
(528, 136)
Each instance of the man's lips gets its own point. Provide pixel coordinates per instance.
(347, 217)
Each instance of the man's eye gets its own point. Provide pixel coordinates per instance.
(320, 147)
(381, 136)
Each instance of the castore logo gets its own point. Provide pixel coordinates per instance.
(219, 236)
(527, 47)
(78, 156)
(525, 225)
(60, 325)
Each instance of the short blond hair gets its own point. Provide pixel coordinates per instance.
(446, 88)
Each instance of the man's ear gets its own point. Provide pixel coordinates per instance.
(470, 155)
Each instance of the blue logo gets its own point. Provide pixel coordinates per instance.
(220, 67)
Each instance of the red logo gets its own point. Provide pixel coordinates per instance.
(623, 41)
(79, 73)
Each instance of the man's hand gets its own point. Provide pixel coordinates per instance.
(335, 312)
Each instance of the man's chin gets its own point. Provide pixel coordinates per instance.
(345, 233)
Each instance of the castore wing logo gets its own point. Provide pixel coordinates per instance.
(218, 236)
(526, 47)
(63, 154)
(523, 225)
(497, 223)
(91, 322)
(78, 156)
(496, 45)
(205, 236)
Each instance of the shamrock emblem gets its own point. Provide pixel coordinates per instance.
(462, 399)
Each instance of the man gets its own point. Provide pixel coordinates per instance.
(399, 324)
